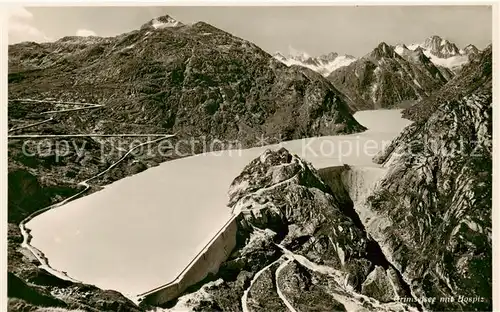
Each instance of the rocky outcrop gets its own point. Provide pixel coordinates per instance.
(281, 192)
(297, 246)
(471, 50)
(259, 296)
(193, 80)
(307, 290)
(385, 79)
(433, 208)
(474, 77)
(379, 285)
(440, 47)
(33, 289)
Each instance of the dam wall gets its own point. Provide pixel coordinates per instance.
(208, 260)
(361, 181)
(354, 182)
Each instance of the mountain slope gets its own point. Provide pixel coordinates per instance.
(445, 53)
(422, 236)
(193, 80)
(419, 56)
(197, 81)
(439, 190)
(384, 79)
(473, 77)
(440, 47)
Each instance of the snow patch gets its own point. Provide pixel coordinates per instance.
(414, 46)
(322, 66)
(399, 50)
(169, 23)
(416, 82)
(452, 62)
(374, 89)
(340, 253)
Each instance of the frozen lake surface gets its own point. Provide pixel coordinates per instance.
(138, 233)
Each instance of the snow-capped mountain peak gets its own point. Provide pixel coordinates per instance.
(279, 56)
(164, 21)
(324, 64)
(438, 46)
(328, 57)
(470, 49)
(400, 48)
(443, 52)
(382, 50)
(298, 55)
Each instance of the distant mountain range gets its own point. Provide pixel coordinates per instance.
(443, 52)
(384, 79)
(324, 64)
(440, 51)
(389, 75)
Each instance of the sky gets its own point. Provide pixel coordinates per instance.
(353, 30)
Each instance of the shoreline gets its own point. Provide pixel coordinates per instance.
(26, 232)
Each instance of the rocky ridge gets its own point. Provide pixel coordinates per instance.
(438, 189)
(474, 77)
(445, 53)
(385, 79)
(298, 247)
(172, 78)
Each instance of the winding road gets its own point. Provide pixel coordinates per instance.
(278, 290)
(244, 298)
